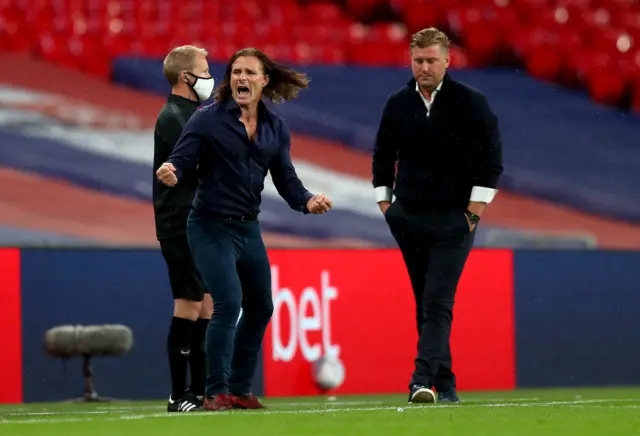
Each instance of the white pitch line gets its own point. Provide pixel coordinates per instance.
(78, 412)
(129, 409)
(109, 410)
(204, 414)
(124, 409)
(503, 400)
(571, 402)
(327, 403)
(332, 410)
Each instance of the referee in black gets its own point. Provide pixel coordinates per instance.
(187, 71)
(444, 138)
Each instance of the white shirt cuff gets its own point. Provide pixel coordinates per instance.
(480, 194)
(383, 193)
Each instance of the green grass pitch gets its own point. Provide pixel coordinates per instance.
(518, 413)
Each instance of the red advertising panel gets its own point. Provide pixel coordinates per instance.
(10, 327)
(358, 305)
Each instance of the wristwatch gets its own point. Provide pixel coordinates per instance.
(473, 218)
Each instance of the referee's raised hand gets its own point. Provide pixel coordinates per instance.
(166, 174)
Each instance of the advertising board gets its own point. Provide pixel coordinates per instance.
(358, 305)
(10, 326)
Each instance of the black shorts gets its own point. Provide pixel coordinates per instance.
(186, 282)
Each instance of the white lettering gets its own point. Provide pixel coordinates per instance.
(311, 314)
(310, 323)
(329, 293)
(282, 296)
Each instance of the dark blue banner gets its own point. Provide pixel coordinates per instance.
(89, 287)
(577, 318)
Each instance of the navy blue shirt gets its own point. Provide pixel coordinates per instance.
(231, 169)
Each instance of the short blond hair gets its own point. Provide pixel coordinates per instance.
(428, 37)
(180, 59)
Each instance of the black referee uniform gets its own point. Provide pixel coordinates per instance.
(171, 209)
(448, 154)
(172, 205)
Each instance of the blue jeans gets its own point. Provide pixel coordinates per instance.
(233, 262)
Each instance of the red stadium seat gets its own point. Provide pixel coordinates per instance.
(575, 6)
(574, 42)
(629, 68)
(527, 38)
(544, 63)
(596, 17)
(324, 13)
(505, 21)
(331, 55)
(379, 45)
(359, 8)
(318, 34)
(473, 26)
(457, 57)
(14, 33)
(387, 32)
(621, 7)
(529, 8)
(483, 44)
(55, 48)
(417, 15)
(606, 87)
(635, 92)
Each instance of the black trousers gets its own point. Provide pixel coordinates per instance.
(435, 246)
(232, 259)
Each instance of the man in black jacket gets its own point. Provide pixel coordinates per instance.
(445, 140)
(187, 71)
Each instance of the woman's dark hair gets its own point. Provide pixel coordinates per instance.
(284, 83)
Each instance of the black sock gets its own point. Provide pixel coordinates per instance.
(198, 359)
(178, 346)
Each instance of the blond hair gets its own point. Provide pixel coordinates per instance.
(428, 37)
(180, 59)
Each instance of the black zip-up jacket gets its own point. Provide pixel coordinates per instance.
(441, 156)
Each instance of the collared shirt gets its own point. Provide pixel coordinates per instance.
(231, 168)
(428, 103)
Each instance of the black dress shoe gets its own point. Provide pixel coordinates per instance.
(448, 396)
